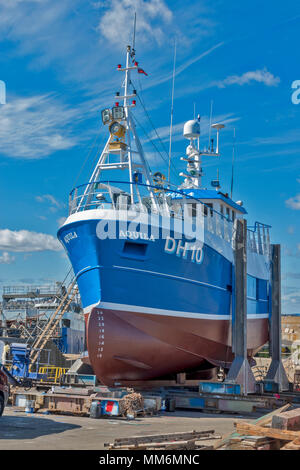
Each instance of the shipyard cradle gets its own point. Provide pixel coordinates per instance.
(154, 262)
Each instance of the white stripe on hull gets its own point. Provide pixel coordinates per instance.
(171, 313)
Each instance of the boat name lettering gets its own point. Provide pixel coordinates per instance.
(136, 235)
(186, 250)
(70, 236)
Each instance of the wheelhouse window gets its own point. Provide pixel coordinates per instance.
(251, 287)
(208, 209)
(192, 209)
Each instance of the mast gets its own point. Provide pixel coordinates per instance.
(119, 144)
(127, 112)
(172, 108)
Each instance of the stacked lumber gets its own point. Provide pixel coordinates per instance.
(171, 441)
(279, 429)
(252, 443)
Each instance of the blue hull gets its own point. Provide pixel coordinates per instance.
(153, 309)
(143, 273)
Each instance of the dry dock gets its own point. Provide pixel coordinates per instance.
(22, 431)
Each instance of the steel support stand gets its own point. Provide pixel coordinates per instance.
(276, 374)
(240, 371)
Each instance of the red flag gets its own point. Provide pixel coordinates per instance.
(142, 71)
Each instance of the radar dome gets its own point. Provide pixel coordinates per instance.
(191, 129)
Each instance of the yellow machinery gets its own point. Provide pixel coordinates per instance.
(53, 373)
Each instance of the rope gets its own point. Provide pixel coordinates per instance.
(88, 155)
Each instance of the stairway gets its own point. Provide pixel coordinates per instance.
(41, 341)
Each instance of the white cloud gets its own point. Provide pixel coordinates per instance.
(48, 197)
(190, 62)
(35, 127)
(61, 221)
(291, 229)
(260, 76)
(13, 3)
(47, 33)
(6, 258)
(285, 138)
(158, 80)
(27, 241)
(293, 202)
(54, 32)
(116, 24)
(291, 300)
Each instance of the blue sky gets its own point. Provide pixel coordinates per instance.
(57, 58)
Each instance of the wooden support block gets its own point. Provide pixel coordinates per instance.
(176, 436)
(181, 378)
(252, 429)
(287, 420)
(266, 419)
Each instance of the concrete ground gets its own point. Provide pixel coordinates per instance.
(19, 430)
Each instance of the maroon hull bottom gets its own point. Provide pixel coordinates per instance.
(134, 346)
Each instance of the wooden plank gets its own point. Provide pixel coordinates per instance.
(252, 429)
(226, 439)
(266, 419)
(176, 436)
(188, 445)
(164, 445)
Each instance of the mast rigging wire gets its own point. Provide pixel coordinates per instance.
(152, 142)
(232, 165)
(94, 143)
(175, 169)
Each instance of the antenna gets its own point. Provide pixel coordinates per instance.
(134, 30)
(171, 123)
(232, 165)
(218, 127)
(210, 120)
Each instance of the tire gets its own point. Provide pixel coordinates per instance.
(1, 404)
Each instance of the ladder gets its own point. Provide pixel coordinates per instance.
(46, 334)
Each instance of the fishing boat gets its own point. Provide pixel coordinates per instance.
(154, 262)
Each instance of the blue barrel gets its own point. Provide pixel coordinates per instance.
(29, 406)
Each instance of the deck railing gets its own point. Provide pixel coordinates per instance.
(117, 195)
(31, 289)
